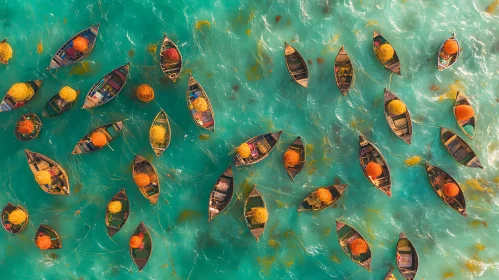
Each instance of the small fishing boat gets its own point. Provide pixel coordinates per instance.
(85, 145)
(447, 60)
(107, 88)
(313, 202)
(68, 54)
(8, 225)
(59, 180)
(37, 127)
(50, 232)
(146, 178)
(57, 105)
(141, 255)
(254, 200)
(260, 147)
(9, 103)
(297, 66)
(160, 145)
(116, 221)
(4, 61)
(400, 124)
(346, 236)
(438, 178)
(343, 71)
(292, 166)
(221, 194)
(389, 275)
(369, 153)
(459, 149)
(461, 99)
(204, 119)
(407, 258)
(393, 63)
(170, 67)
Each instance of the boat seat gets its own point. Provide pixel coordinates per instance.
(405, 260)
(263, 146)
(450, 140)
(219, 196)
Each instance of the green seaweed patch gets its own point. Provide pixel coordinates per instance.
(81, 68)
(78, 187)
(273, 243)
(131, 53)
(204, 137)
(246, 187)
(448, 274)
(281, 204)
(266, 263)
(188, 215)
(335, 259)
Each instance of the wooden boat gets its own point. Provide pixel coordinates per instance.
(67, 55)
(347, 234)
(4, 61)
(438, 178)
(260, 146)
(297, 66)
(107, 88)
(37, 124)
(298, 147)
(85, 145)
(206, 119)
(8, 103)
(343, 71)
(407, 258)
(7, 225)
(143, 166)
(310, 203)
(393, 64)
(221, 194)
(459, 149)
(389, 275)
(254, 199)
(141, 255)
(116, 221)
(56, 106)
(461, 99)
(161, 119)
(446, 61)
(170, 69)
(60, 179)
(367, 153)
(401, 124)
(54, 235)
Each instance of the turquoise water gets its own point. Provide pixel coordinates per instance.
(238, 59)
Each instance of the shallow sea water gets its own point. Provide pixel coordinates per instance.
(235, 50)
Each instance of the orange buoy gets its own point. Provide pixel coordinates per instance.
(464, 112)
(451, 46)
(451, 189)
(373, 170)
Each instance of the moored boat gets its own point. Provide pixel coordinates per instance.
(141, 239)
(343, 71)
(199, 105)
(256, 149)
(397, 116)
(354, 245)
(117, 212)
(46, 238)
(14, 218)
(19, 95)
(6, 60)
(255, 213)
(386, 54)
(294, 158)
(58, 105)
(51, 177)
(321, 198)
(221, 194)
(28, 127)
(146, 178)
(407, 258)
(459, 149)
(170, 59)
(160, 133)
(297, 67)
(374, 166)
(107, 88)
(449, 53)
(98, 138)
(465, 115)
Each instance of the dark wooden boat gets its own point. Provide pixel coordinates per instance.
(367, 153)
(85, 145)
(393, 64)
(67, 55)
(161, 119)
(170, 69)
(253, 200)
(56, 106)
(37, 124)
(116, 221)
(151, 191)
(4, 61)
(401, 124)
(310, 202)
(343, 71)
(60, 179)
(297, 66)
(107, 88)
(7, 225)
(407, 258)
(438, 178)
(347, 234)
(221, 194)
(444, 61)
(461, 99)
(389, 275)
(141, 255)
(459, 149)
(8, 103)
(261, 146)
(54, 235)
(206, 119)
(298, 147)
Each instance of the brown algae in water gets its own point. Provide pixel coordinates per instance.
(188, 215)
